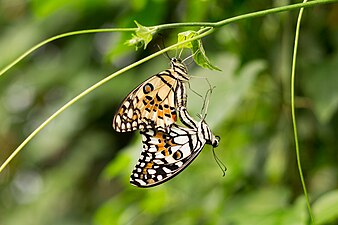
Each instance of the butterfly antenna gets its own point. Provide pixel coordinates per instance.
(159, 47)
(219, 162)
(165, 55)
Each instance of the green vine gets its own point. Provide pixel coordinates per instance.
(293, 114)
(169, 26)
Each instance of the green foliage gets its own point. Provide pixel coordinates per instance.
(197, 49)
(76, 171)
(143, 35)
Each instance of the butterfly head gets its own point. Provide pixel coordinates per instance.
(216, 141)
(179, 67)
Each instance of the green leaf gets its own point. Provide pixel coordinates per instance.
(325, 209)
(197, 49)
(143, 35)
(135, 41)
(183, 36)
(201, 58)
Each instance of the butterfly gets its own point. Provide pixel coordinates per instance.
(167, 153)
(154, 103)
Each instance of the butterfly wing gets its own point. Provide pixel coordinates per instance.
(165, 154)
(151, 104)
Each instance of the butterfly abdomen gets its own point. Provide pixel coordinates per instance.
(206, 134)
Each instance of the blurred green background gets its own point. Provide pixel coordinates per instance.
(76, 171)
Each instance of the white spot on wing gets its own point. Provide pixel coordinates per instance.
(130, 113)
(141, 182)
(123, 126)
(152, 171)
(181, 140)
(165, 169)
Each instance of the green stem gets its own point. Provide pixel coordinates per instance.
(293, 114)
(270, 11)
(93, 87)
(245, 16)
(29, 51)
(171, 26)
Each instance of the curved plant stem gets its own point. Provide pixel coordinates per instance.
(29, 51)
(205, 32)
(295, 133)
(171, 26)
(270, 11)
(245, 16)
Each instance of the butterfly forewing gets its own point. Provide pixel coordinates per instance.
(153, 104)
(165, 154)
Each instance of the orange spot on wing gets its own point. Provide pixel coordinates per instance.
(148, 166)
(150, 181)
(165, 152)
(159, 135)
(160, 113)
(166, 111)
(170, 142)
(161, 146)
(177, 155)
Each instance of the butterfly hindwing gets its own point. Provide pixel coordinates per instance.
(165, 154)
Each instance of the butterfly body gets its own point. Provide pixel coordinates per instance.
(167, 153)
(154, 103)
